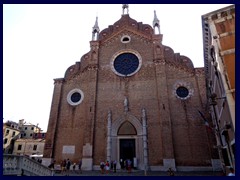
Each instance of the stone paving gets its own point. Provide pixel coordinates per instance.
(139, 173)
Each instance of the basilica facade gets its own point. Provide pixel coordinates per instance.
(131, 97)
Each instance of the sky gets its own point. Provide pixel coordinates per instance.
(41, 41)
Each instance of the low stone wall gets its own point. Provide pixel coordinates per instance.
(19, 165)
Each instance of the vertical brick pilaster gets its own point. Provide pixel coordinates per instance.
(164, 112)
(53, 119)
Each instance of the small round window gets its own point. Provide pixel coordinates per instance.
(125, 39)
(182, 92)
(75, 97)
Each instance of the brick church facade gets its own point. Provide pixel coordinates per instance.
(131, 97)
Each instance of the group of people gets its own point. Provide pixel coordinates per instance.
(106, 166)
(66, 164)
(127, 164)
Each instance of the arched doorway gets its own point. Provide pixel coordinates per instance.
(127, 149)
(127, 140)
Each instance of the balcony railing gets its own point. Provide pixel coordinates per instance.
(20, 165)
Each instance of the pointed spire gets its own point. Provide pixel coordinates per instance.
(156, 22)
(96, 24)
(125, 6)
(95, 31)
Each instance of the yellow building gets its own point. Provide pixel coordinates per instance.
(10, 134)
(28, 146)
(28, 130)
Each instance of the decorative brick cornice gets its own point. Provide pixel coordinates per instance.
(125, 31)
(199, 71)
(180, 67)
(59, 80)
(126, 22)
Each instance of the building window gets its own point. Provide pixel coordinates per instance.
(24, 134)
(13, 134)
(126, 63)
(25, 128)
(31, 134)
(19, 147)
(35, 147)
(7, 132)
(125, 39)
(5, 141)
(32, 128)
(43, 135)
(182, 92)
(75, 97)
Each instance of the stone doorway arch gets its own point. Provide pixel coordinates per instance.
(134, 133)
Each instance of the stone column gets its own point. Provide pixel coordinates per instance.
(145, 145)
(109, 128)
